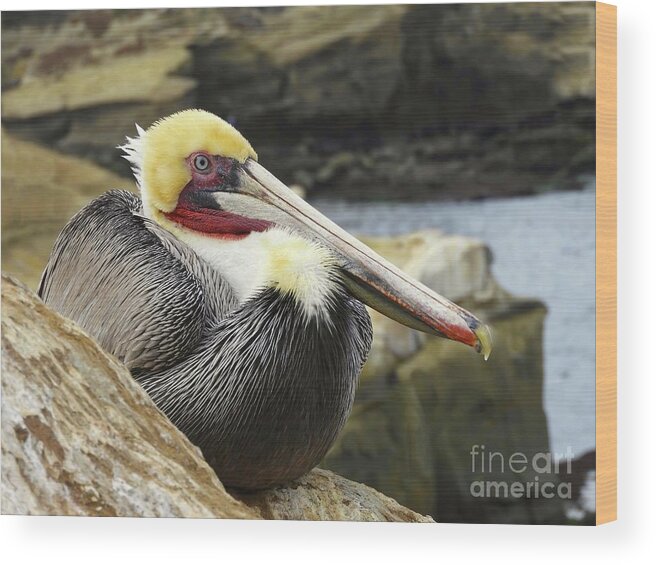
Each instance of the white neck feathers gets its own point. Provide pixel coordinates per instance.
(277, 258)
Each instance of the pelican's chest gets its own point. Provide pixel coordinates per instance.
(279, 385)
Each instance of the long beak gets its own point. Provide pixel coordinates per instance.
(369, 277)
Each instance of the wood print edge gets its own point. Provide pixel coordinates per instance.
(606, 262)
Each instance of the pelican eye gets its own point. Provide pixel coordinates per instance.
(201, 163)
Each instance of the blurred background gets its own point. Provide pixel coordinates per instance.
(457, 140)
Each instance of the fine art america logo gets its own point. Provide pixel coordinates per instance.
(544, 471)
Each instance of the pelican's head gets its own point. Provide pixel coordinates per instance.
(200, 179)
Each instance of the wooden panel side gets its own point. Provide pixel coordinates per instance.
(606, 355)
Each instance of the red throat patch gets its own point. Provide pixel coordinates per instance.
(216, 223)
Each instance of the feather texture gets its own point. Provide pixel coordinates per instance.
(261, 387)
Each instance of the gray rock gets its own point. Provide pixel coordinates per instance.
(424, 402)
(404, 102)
(322, 495)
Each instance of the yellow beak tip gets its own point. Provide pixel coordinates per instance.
(484, 337)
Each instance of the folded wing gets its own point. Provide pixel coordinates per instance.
(142, 294)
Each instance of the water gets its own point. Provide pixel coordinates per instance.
(544, 247)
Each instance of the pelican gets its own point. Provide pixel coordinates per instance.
(236, 305)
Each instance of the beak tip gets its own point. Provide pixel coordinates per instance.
(484, 343)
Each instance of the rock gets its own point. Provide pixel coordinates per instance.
(423, 402)
(42, 191)
(144, 77)
(404, 102)
(322, 495)
(84, 81)
(80, 437)
(458, 267)
(319, 56)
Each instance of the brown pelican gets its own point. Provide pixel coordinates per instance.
(235, 304)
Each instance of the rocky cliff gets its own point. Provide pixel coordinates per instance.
(403, 102)
(39, 198)
(80, 437)
(424, 402)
